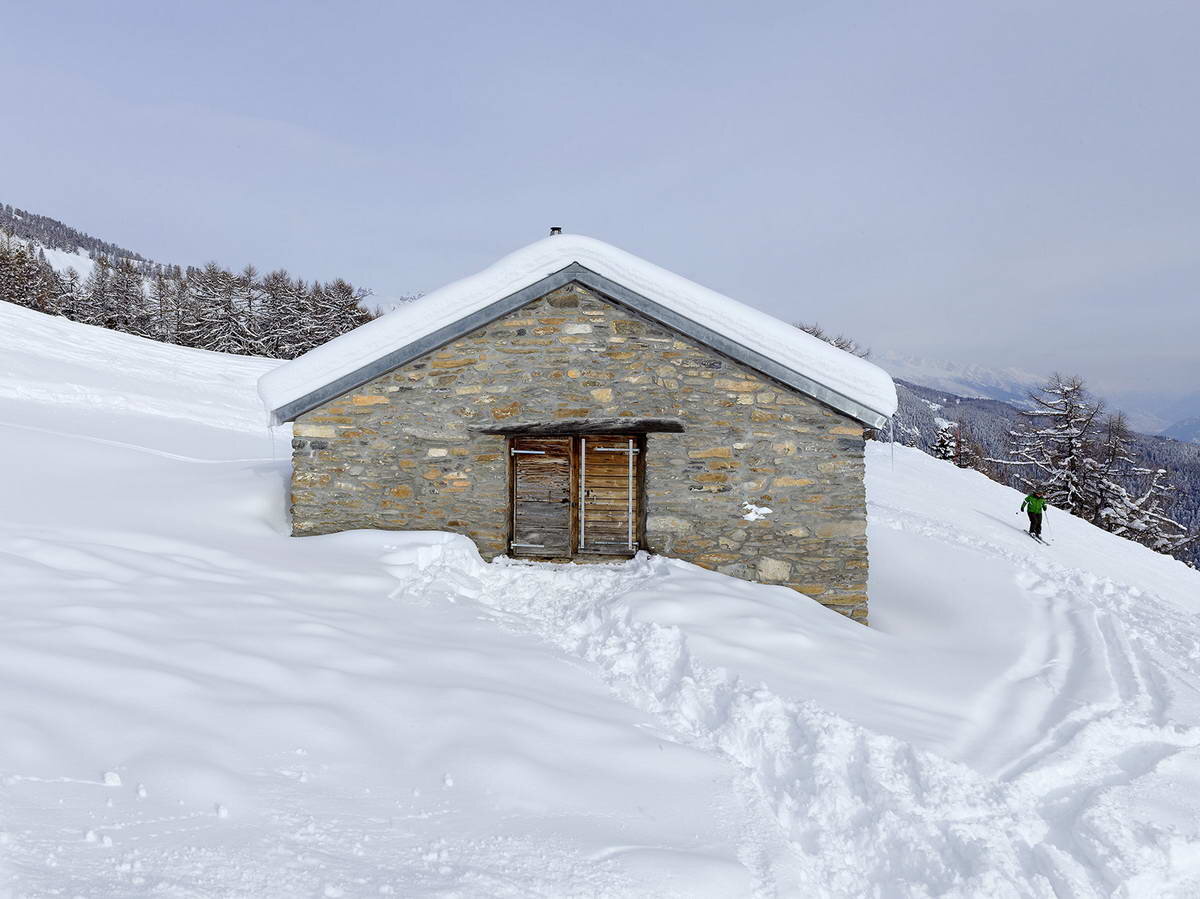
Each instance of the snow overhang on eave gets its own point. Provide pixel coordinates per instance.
(610, 290)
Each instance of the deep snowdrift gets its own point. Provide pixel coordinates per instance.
(194, 703)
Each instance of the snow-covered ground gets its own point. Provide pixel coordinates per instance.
(195, 704)
(61, 261)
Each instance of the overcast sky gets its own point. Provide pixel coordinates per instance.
(1009, 183)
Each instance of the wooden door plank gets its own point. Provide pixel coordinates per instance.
(610, 494)
(540, 496)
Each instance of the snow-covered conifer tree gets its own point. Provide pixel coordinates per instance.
(128, 311)
(1108, 503)
(945, 444)
(25, 277)
(1149, 521)
(66, 297)
(318, 322)
(1054, 450)
(94, 300)
(163, 309)
(345, 306)
(276, 297)
(218, 323)
(249, 299)
(954, 443)
(841, 341)
(1141, 515)
(10, 290)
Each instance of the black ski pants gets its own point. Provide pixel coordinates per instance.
(1035, 523)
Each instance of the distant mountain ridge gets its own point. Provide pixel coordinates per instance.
(1187, 430)
(1008, 385)
(1147, 412)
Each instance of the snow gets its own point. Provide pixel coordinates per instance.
(843, 372)
(61, 260)
(197, 704)
(47, 361)
(755, 513)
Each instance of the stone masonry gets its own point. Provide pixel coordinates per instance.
(399, 451)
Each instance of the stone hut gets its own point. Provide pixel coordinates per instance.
(575, 402)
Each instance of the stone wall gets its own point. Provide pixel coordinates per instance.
(398, 453)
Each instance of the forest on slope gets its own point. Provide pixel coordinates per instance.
(208, 307)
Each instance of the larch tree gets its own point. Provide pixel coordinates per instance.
(207, 308)
(841, 341)
(1053, 449)
(94, 300)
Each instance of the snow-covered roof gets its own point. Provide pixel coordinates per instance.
(841, 380)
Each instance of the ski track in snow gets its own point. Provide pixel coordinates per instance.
(1083, 748)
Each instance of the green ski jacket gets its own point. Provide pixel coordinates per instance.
(1036, 504)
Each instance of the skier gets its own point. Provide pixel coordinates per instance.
(1035, 505)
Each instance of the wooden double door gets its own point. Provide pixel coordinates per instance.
(576, 495)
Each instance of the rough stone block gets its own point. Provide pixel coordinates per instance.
(789, 481)
(737, 386)
(774, 570)
(307, 430)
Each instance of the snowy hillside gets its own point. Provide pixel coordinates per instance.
(82, 376)
(63, 262)
(63, 245)
(196, 704)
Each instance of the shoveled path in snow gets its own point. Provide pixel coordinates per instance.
(1057, 773)
(860, 809)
